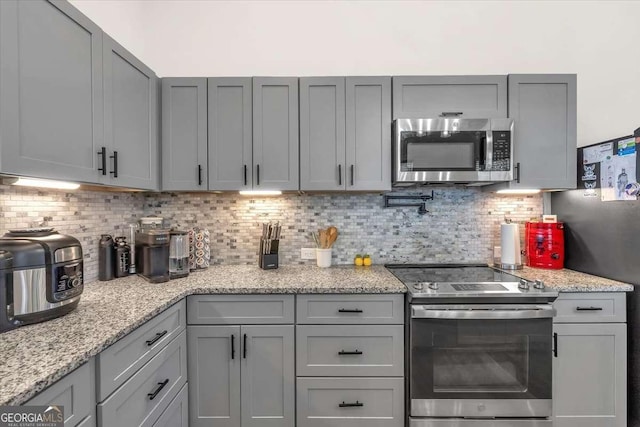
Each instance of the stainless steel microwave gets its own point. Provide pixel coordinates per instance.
(452, 150)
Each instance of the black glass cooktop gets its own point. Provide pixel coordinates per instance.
(460, 274)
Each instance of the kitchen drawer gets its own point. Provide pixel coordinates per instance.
(380, 402)
(134, 404)
(240, 309)
(90, 421)
(177, 413)
(76, 392)
(351, 309)
(459, 422)
(595, 307)
(373, 351)
(119, 362)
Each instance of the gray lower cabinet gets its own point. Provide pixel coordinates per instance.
(75, 393)
(130, 120)
(345, 133)
(590, 375)
(350, 402)
(177, 413)
(275, 133)
(241, 376)
(230, 133)
(422, 97)
(350, 309)
(240, 309)
(184, 134)
(51, 108)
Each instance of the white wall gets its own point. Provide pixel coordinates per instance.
(598, 40)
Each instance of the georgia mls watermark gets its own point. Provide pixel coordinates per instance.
(31, 416)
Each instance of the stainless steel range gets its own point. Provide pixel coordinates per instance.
(479, 347)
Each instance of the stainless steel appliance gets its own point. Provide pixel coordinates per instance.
(178, 254)
(152, 255)
(452, 150)
(42, 280)
(479, 346)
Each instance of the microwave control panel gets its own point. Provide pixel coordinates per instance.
(501, 150)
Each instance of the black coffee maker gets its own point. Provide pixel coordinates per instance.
(152, 255)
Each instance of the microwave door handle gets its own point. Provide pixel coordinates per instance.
(535, 312)
(488, 151)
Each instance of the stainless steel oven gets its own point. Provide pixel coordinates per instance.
(454, 150)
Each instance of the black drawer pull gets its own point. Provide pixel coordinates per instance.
(114, 172)
(199, 174)
(244, 346)
(451, 113)
(350, 405)
(233, 347)
(154, 393)
(555, 344)
(103, 160)
(349, 353)
(349, 310)
(353, 171)
(156, 338)
(339, 174)
(245, 174)
(588, 308)
(257, 174)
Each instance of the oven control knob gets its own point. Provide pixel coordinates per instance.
(523, 284)
(538, 284)
(434, 286)
(418, 286)
(481, 407)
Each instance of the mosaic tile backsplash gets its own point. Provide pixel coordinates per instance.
(462, 224)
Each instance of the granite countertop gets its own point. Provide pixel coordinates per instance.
(35, 356)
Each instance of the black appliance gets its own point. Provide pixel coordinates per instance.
(42, 276)
(152, 255)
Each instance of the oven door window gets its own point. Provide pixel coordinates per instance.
(442, 151)
(488, 359)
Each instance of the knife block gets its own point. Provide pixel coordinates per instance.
(268, 261)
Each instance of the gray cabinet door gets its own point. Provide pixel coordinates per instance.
(130, 118)
(590, 375)
(184, 133)
(544, 110)
(214, 376)
(322, 133)
(51, 118)
(420, 97)
(230, 138)
(275, 133)
(368, 131)
(177, 413)
(268, 376)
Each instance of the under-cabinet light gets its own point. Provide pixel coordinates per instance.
(519, 191)
(44, 183)
(260, 192)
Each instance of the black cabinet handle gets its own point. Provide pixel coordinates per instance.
(353, 169)
(339, 174)
(199, 174)
(245, 174)
(349, 310)
(518, 172)
(114, 172)
(555, 344)
(357, 404)
(103, 160)
(156, 338)
(588, 308)
(154, 393)
(257, 174)
(244, 346)
(356, 352)
(233, 346)
(451, 113)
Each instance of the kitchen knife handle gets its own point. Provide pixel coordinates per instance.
(588, 308)
(103, 160)
(245, 174)
(161, 385)
(339, 174)
(156, 338)
(199, 174)
(357, 404)
(353, 169)
(555, 344)
(244, 346)
(518, 172)
(114, 172)
(356, 352)
(257, 174)
(233, 346)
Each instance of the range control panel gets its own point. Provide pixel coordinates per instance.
(67, 281)
(501, 150)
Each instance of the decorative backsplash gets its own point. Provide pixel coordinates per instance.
(462, 224)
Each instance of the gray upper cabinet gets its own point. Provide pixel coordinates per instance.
(420, 97)
(590, 375)
(230, 133)
(368, 127)
(275, 133)
(544, 110)
(322, 133)
(51, 108)
(345, 133)
(184, 134)
(130, 119)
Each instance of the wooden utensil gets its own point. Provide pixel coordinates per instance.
(332, 236)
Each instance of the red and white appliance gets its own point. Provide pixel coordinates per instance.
(545, 244)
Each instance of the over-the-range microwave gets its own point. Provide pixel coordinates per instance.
(452, 150)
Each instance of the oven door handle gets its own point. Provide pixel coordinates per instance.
(487, 312)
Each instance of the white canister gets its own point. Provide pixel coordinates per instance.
(323, 257)
(511, 258)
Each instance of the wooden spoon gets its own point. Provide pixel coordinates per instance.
(333, 235)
